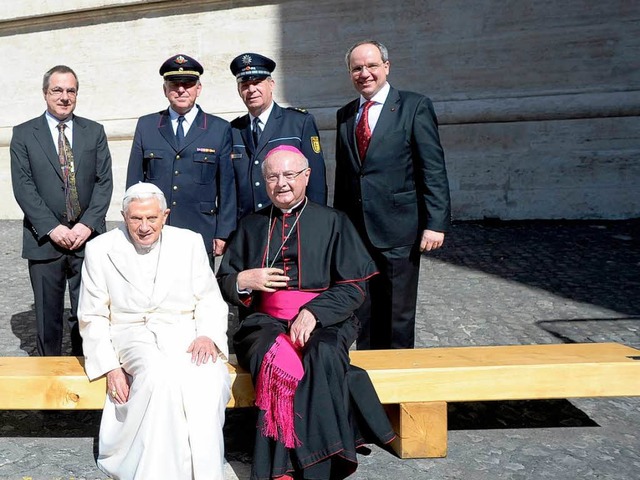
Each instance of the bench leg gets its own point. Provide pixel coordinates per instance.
(421, 429)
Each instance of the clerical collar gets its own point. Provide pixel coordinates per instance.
(297, 206)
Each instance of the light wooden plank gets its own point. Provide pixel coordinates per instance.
(399, 376)
(421, 429)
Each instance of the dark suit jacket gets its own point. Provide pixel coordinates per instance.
(39, 187)
(286, 126)
(197, 179)
(401, 188)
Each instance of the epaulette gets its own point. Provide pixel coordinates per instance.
(301, 110)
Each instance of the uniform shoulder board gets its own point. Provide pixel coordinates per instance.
(297, 109)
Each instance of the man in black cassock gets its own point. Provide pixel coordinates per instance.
(297, 271)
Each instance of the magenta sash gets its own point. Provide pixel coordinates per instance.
(284, 304)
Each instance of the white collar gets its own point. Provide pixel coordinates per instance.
(190, 116)
(54, 122)
(380, 97)
(289, 210)
(264, 116)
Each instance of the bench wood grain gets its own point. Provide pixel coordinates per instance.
(414, 384)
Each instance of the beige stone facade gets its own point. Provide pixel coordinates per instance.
(539, 102)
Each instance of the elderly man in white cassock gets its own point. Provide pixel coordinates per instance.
(154, 323)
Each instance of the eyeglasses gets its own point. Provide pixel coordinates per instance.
(288, 176)
(372, 68)
(57, 92)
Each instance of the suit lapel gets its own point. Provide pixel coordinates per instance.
(388, 118)
(166, 130)
(196, 130)
(44, 138)
(350, 125)
(272, 126)
(78, 143)
(245, 133)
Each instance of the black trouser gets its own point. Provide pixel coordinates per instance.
(388, 314)
(49, 279)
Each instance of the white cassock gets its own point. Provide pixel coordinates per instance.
(141, 312)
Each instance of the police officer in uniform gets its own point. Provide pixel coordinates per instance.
(266, 126)
(187, 154)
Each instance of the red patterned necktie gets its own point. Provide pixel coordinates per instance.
(65, 157)
(363, 132)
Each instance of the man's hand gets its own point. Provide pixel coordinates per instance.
(201, 349)
(117, 386)
(431, 240)
(302, 327)
(219, 246)
(63, 236)
(265, 279)
(82, 233)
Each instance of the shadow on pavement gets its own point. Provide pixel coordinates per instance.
(595, 262)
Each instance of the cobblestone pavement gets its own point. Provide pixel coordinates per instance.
(493, 283)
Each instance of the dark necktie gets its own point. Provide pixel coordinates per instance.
(180, 131)
(363, 132)
(256, 131)
(65, 157)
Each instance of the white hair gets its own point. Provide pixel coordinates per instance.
(142, 191)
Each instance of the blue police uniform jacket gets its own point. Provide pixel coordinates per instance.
(285, 126)
(197, 178)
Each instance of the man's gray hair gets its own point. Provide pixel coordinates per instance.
(142, 191)
(384, 53)
(58, 69)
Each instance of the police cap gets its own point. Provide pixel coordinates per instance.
(181, 67)
(251, 66)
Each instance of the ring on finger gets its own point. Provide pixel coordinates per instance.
(268, 284)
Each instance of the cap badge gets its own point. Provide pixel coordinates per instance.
(246, 59)
(180, 60)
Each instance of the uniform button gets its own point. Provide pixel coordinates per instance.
(152, 155)
(256, 162)
(173, 204)
(176, 172)
(177, 157)
(175, 187)
(206, 158)
(259, 205)
(257, 184)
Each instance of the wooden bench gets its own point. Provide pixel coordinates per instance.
(415, 384)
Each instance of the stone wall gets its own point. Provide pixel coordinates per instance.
(539, 102)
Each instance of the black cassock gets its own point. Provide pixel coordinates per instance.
(336, 406)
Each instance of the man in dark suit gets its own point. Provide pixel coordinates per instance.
(392, 182)
(61, 176)
(187, 154)
(266, 126)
